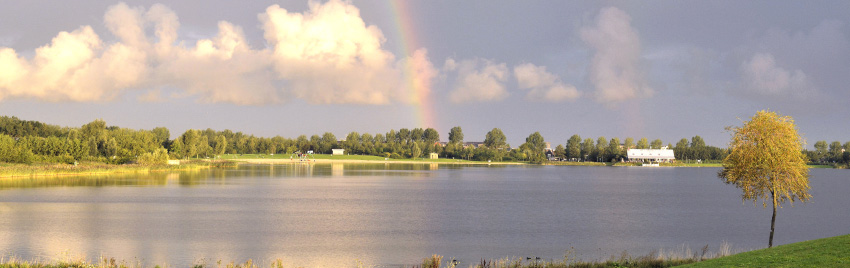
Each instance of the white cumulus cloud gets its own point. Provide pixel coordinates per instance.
(478, 80)
(543, 85)
(330, 55)
(761, 75)
(615, 69)
(324, 55)
(74, 66)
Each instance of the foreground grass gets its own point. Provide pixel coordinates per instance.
(671, 258)
(431, 262)
(826, 252)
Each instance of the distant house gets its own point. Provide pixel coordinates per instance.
(337, 151)
(651, 155)
(550, 155)
(433, 156)
(473, 144)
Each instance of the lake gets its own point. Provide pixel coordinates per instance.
(396, 214)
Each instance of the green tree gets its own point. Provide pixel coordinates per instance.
(110, 148)
(820, 151)
(191, 141)
(574, 147)
(846, 154)
(177, 149)
(204, 147)
(416, 151)
(629, 143)
(453, 150)
(95, 129)
(697, 142)
(12, 152)
(560, 151)
(643, 144)
(682, 144)
(601, 145)
(656, 144)
(431, 136)
(417, 134)
(766, 162)
(587, 149)
(835, 152)
(302, 143)
(95, 135)
(495, 139)
(368, 143)
(614, 149)
(468, 152)
(536, 142)
(220, 145)
(533, 147)
(315, 140)
(403, 135)
(681, 150)
(353, 143)
(327, 143)
(456, 135)
(161, 135)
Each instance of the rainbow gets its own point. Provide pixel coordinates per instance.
(417, 78)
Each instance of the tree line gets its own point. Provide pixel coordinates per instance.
(605, 150)
(834, 153)
(23, 141)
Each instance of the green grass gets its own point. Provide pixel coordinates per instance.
(820, 166)
(91, 168)
(826, 252)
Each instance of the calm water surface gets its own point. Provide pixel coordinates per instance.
(392, 214)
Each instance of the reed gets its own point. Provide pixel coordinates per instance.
(90, 168)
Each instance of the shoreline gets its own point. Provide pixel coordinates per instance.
(62, 170)
(364, 161)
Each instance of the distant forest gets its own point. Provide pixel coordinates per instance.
(23, 141)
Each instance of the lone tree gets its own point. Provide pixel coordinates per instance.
(766, 161)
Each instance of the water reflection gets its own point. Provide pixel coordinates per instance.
(215, 176)
(332, 214)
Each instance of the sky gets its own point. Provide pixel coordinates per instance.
(655, 69)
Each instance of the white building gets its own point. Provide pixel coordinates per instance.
(337, 151)
(651, 155)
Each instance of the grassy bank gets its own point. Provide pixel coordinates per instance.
(96, 168)
(826, 252)
(93, 168)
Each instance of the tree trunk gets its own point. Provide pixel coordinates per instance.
(772, 224)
